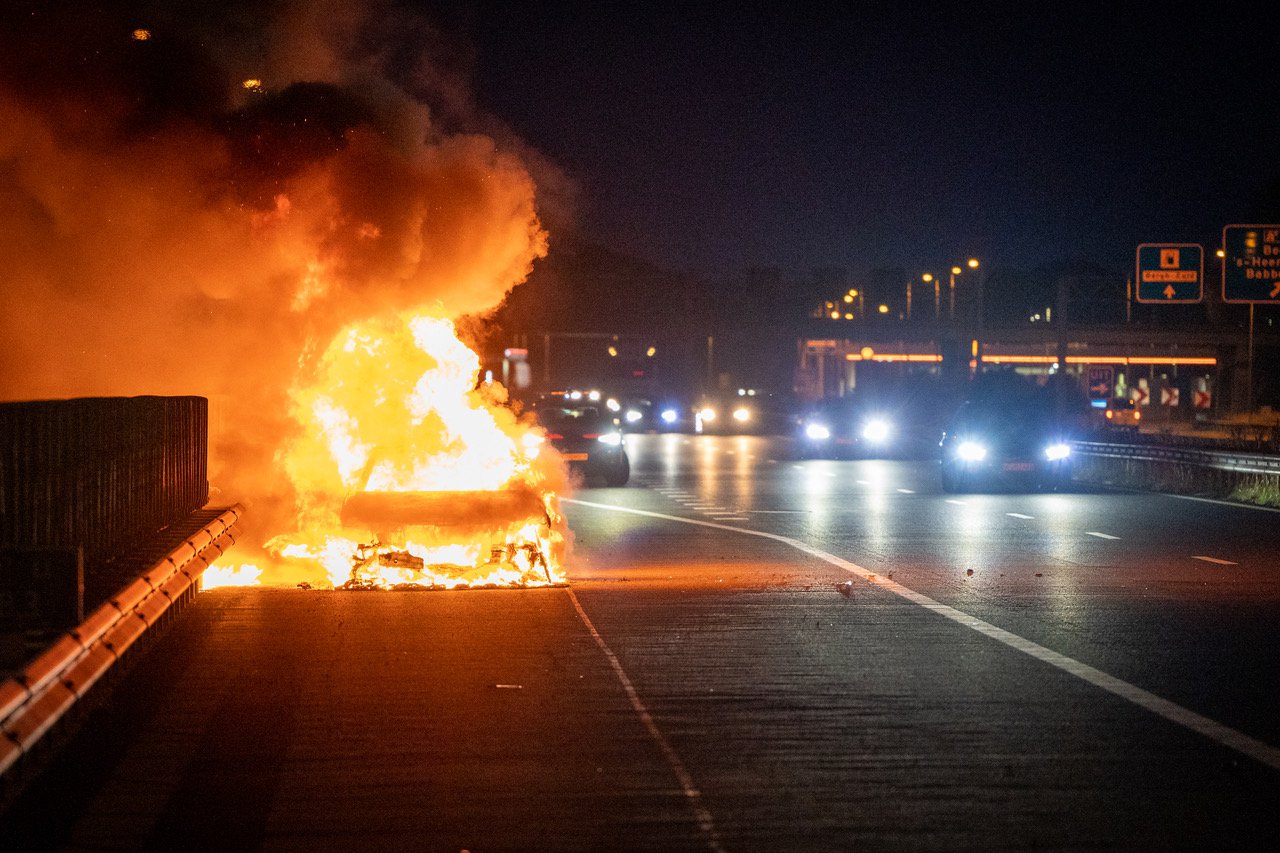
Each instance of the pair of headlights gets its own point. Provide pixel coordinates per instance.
(973, 451)
(875, 431)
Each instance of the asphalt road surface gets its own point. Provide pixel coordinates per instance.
(756, 653)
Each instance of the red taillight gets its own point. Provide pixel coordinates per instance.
(554, 435)
(591, 435)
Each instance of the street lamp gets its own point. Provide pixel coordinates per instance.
(951, 294)
(926, 278)
(977, 337)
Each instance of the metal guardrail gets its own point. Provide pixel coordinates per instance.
(1219, 460)
(32, 702)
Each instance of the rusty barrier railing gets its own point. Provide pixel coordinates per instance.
(34, 701)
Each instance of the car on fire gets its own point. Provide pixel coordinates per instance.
(1013, 438)
(588, 437)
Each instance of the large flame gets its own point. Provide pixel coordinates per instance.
(409, 473)
(189, 211)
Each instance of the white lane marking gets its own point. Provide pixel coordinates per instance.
(1212, 729)
(1223, 503)
(1020, 515)
(730, 518)
(906, 491)
(956, 502)
(1100, 535)
(1216, 561)
(691, 792)
(862, 482)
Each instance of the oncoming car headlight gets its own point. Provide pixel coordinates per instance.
(634, 415)
(708, 414)
(971, 451)
(670, 416)
(613, 439)
(741, 415)
(817, 432)
(1056, 452)
(876, 430)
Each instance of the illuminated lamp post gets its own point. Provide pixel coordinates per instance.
(927, 278)
(951, 294)
(977, 336)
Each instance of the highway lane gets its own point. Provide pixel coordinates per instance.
(704, 686)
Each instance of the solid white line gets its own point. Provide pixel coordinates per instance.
(1100, 535)
(956, 502)
(1223, 503)
(1224, 735)
(1020, 515)
(691, 792)
(1216, 561)
(906, 491)
(862, 482)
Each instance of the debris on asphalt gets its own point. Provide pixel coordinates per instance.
(845, 589)
(969, 572)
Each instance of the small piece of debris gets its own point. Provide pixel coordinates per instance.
(304, 585)
(969, 572)
(845, 589)
(1039, 574)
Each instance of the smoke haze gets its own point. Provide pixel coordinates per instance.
(166, 229)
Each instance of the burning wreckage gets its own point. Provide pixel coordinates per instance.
(512, 530)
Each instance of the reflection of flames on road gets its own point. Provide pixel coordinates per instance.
(410, 476)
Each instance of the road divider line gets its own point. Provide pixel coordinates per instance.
(1258, 750)
(691, 792)
(1216, 561)
(906, 491)
(1020, 515)
(957, 502)
(1100, 535)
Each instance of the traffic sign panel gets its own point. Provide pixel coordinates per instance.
(1170, 273)
(1251, 263)
(1100, 382)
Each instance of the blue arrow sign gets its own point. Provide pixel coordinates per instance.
(1170, 273)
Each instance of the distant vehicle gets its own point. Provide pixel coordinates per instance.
(1121, 414)
(1007, 439)
(588, 438)
(845, 427)
(748, 412)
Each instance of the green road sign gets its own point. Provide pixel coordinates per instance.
(1251, 263)
(1170, 273)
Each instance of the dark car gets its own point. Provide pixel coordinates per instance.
(900, 423)
(589, 438)
(1017, 439)
(845, 427)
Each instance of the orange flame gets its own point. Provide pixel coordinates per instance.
(407, 473)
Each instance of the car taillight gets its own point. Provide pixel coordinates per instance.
(554, 435)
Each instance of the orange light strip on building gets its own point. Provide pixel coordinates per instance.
(1206, 361)
(930, 359)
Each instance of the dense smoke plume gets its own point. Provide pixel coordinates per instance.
(168, 226)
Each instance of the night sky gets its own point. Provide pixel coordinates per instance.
(885, 135)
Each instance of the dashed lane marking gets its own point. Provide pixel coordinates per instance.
(1020, 515)
(1100, 535)
(1258, 750)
